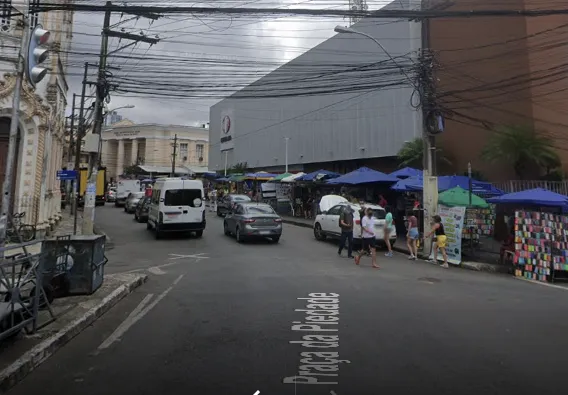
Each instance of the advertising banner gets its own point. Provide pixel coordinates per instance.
(453, 220)
(227, 130)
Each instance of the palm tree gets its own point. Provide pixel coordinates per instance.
(522, 148)
(412, 152)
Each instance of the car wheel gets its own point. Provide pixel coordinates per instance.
(238, 235)
(125, 210)
(318, 233)
(198, 233)
(136, 217)
(276, 239)
(148, 226)
(158, 234)
(226, 229)
(219, 212)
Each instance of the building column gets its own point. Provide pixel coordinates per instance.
(120, 158)
(134, 152)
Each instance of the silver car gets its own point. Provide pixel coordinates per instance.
(132, 200)
(253, 220)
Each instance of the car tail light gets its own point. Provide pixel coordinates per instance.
(277, 220)
(249, 221)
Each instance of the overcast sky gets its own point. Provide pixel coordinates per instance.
(271, 40)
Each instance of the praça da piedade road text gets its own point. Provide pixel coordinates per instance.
(319, 363)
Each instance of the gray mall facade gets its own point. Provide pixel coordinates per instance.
(360, 115)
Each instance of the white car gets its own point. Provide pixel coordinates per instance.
(326, 224)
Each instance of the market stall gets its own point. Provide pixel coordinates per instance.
(406, 173)
(540, 234)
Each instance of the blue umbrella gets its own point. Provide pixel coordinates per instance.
(408, 184)
(536, 197)
(406, 172)
(363, 175)
(318, 175)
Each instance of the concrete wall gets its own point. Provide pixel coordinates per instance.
(371, 121)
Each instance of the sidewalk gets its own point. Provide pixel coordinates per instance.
(71, 315)
(400, 246)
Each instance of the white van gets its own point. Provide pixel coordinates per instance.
(177, 206)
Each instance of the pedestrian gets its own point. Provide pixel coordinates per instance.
(213, 201)
(440, 240)
(382, 201)
(387, 232)
(412, 236)
(346, 225)
(368, 227)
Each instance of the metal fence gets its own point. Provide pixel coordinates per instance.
(522, 185)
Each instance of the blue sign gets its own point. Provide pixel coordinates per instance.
(66, 175)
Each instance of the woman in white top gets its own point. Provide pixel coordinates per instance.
(368, 237)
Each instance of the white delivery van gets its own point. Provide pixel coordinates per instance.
(125, 188)
(177, 206)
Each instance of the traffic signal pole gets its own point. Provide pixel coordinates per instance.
(14, 123)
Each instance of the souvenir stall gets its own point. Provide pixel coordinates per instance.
(368, 182)
(308, 190)
(540, 234)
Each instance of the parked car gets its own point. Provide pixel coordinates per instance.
(326, 224)
(227, 203)
(132, 200)
(141, 212)
(111, 194)
(248, 220)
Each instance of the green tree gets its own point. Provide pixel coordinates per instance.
(522, 148)
(239, 168)
(132, 170)
(412, 152)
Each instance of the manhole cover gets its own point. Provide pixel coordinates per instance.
(430, 280)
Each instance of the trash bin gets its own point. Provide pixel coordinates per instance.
(82, 258)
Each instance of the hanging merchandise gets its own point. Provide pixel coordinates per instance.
(452, 219)
(479, 222)
(541, 245)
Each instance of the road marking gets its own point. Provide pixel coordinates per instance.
(332, 392)
(136, 315)
(195, 256)
(256, 393)
(127, 323)
(156, 270)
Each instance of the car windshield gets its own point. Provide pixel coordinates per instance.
(182, 197)
(241, 198)
(264, 209)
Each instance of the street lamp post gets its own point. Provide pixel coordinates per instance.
(430, 183)
(286, 138)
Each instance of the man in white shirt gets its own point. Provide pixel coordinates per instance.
(368, 237)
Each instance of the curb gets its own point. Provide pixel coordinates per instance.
(474, 266)
(109, 245)
(16, 372)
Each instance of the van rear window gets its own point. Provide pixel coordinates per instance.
(182, 197)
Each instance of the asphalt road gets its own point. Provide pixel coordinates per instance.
(218, 317)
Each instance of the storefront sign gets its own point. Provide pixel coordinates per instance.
(453, 220)
(127, 133)
(227, 130)
(283, 191)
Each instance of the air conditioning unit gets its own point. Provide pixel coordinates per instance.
(201, 159)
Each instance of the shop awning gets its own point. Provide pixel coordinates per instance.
(363, 175)
(448, 182)
(293, 177)
(459, 197)
(535, 197)
(261, 176)
(406, 172)
(318, 175)
(280, 177)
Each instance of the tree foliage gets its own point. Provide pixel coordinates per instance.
(523, 149)
(412, 153)
(239, 168)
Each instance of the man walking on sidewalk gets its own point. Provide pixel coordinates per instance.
(346, 225)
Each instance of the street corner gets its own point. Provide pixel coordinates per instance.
(69, 316)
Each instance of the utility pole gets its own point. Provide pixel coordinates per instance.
(286, 138)
(14, 131)
(428, 99)
(174, 156)
(102, 92)
(80, 133)
(70, 185)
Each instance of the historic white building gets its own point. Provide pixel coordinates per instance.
(42, 117)
(151, 146)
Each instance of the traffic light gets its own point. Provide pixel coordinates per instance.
(37, 53)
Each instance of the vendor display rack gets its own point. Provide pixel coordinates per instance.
(541, 246)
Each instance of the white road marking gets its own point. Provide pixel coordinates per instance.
(156, 270)
(195, 256)
(256, 393)
(127, 323)
(136, 315)
(332, 392)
